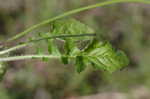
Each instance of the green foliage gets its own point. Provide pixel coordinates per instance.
(102, 56)
(58, 78)
(105, 58)
(80, 64)
(98, 53)
(52, 48)
(70, 26)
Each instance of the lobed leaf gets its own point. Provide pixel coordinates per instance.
(102, 56)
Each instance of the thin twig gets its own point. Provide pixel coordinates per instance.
(46, 22)
(62, 36)
(12, 49)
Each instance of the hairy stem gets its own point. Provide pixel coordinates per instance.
(74, 12)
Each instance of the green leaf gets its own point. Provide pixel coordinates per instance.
(98, 53)
(70, 26)
(80, 66)
(70, 48)
(40, 51)
(52, 48)
(64, 59)
(102, 56)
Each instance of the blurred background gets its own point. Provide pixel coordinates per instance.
(126, 26)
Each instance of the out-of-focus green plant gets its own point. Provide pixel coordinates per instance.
(4, 93)
(3, 68)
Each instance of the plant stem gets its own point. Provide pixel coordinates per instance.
(24, 44)
(74, 12)
(62, 36)
(15, 58)
(12, 49)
